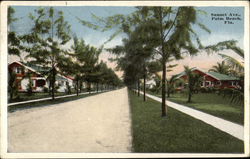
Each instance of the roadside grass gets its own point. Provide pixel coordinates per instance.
(13, 108)
(211, 103)
(178, 133)
(23, 96)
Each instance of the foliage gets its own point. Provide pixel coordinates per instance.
(30, 84)
(221, 68)
(193, 80)
(14, 40)
(44, 42)
(12, 84)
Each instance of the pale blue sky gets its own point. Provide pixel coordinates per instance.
(219, 30)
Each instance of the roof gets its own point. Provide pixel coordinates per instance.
(184, 73)
(216, 75)
(222, 77)
(37, 68)
(24, 65)
(61, 78)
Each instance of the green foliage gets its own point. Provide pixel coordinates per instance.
(49, 33)
(45, 89)
(12, 84)
(14, 40)
(29, 85)
(235, 95)
(221, 68)
(193, 80)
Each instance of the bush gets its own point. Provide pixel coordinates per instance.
(45, 89)
(203, 90)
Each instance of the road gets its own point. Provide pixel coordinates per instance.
(99, 123)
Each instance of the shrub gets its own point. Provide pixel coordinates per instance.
(45, 89)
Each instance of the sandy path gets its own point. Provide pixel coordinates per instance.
(100, 123)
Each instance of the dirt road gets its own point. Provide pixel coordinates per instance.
(99, 123)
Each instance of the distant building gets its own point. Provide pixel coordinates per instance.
(212, 79)
(38, 77)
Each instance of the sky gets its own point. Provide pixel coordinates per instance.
(219, 30)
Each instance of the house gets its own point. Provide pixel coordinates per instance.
(21, 70)
(212, 79)
(62, 82)
(38, 77)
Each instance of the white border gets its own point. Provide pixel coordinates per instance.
(3, 69)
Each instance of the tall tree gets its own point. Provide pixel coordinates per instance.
(14, 48)
(49, 33)
(170, 28)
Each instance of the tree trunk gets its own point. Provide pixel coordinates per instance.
(89, 87)
(77, 87)
(80, 86)
(144, 88)
(163, 91)
(97, 87)
(189, 96)
(53, 82)
(138, 87)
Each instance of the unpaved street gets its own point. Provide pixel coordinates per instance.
(99, 123)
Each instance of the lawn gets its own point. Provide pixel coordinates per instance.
(13, 108)
(213, 104)
(23, 96)
(178, 133)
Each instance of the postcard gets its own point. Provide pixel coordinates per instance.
(115, 79)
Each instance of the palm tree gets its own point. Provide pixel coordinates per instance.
(222, 68)
(193, 82)
(170, 84)
(236, 66)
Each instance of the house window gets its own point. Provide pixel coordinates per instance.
(40, 83)
(233, 83)
(33, 83)
(18, 70)
(207, 83)
(218, 83)
(202, 84)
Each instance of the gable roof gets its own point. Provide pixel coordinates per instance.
(37, 68)
(192, 69)
(27, 67)
(222, 77)
(216, 75)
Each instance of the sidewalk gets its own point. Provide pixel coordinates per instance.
(233, 129)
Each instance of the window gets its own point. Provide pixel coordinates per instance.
(207, 83)
(33, 83)
(40, 83)
(218, 83)
(62, 83)
(233, 83)
(202, 84)
(18, 70)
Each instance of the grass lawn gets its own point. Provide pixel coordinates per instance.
(23, 96)
(213, 104)
(178, 133)
(13, 108)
